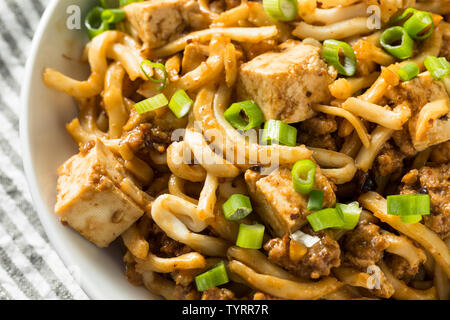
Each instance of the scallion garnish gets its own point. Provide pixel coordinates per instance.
(332, 51)
(278, 132)
(282, 10)
(180, 103)
(397, 42)
(94, 23)
(303, 173)
(315, 201)
(212, 278)
(152, 103)
(113, 15)
(237, 207)
(326, 218)
(420, 25)
(251, 111)
(155, 65)
(438, 67)
(350, 214)
(411, 219)
(250, 236)
(408, 204)
(107, 4)
(409, 71)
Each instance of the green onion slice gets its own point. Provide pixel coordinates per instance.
(408, 204)
(152, 103)
(113, 15)
(397, 42)
(251, 111)
(155, 65)
(282, 10)
(303, 173)
(326, 218)
(409, 71)
(411, 219)
(250, 236)
(400, 19)
(94, 23)
(278, 132)
(332, 51)
(315, 201)
(350, 213)
(237, 207)
(438, 67)
(212, 278)
(180, 103)
(420, 25)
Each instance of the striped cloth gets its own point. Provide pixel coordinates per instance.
(29, 266)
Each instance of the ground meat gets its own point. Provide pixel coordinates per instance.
(364, 246)
(317, 262)
(184, 277)
(403, 142)
(441, 153)
(147, 136)
(218, 294)
(320, 125)
(316, 132)
(186, 292)
(436, 182)
(388, 161)
(325, 141)
(445, 49)
(162, 245)
(264, 296)
(400, 267)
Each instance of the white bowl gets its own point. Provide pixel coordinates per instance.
(46, 145)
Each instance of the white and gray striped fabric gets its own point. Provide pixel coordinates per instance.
(29, 266)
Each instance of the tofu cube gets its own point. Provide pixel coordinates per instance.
(89, 197)
(159, 21)
(278, 204)
(285, 84)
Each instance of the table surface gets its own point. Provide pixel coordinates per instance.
(29, 266)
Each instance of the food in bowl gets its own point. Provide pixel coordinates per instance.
(265, 150)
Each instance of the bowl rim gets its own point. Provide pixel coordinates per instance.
(30, 175)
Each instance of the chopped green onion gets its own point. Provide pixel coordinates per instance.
(332, 50)
(438, 67)
(94, 23)
(152, 103)
(278, 132)
(400, 19)
(252, 112)
(113, 15)
(408, 204)
(350, 213)
(125, 2)
(180, 103)
(389, 39)
(155, 65)
(212, 278)
(250, 236)
(420, 25)
(237, 207)
(315, 201)
(282, 10)
(409, 71)
(326, 218)
(411, 219)
(303, 173)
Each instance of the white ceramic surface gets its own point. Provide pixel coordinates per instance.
(46, 145)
